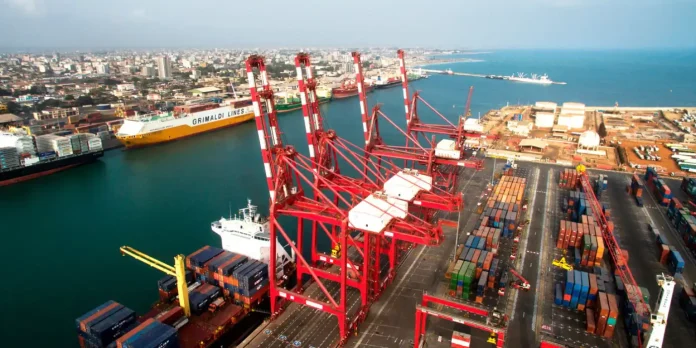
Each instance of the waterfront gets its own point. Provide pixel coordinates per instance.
(62, 232)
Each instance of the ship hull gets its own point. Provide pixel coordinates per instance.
(283, 108)
(47, 168)
(388, 84)
(179, 132)
(339, 93)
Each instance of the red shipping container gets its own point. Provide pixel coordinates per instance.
(664, 253)
(591, 327)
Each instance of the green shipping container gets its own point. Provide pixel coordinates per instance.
(646, 294)
(587, 241)
(611, 321)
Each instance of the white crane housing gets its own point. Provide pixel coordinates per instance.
(658, 319)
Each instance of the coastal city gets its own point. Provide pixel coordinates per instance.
(344, 195)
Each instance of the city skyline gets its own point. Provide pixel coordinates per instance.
(534, 24)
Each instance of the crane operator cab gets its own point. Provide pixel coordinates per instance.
(336, 251)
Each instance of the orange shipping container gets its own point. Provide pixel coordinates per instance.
(591, 328)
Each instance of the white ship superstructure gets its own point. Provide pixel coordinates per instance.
(248, 234)
(537, 79)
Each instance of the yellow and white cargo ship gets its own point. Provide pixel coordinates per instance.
(184, 121)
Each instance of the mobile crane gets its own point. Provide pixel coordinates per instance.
(658, 319)
(520, 283)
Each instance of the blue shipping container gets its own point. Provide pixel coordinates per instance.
(234, 265)
(469, 241)
(569, 282)
(159, 335)
(204, 256)
(95, 310)
(558, 300)
(113, 327)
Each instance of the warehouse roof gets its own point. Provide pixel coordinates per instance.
(206, 90)
(7, 118)
(538, 143)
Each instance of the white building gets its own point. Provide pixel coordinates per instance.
(349, 67)
(103, 69)
(195, 74)
(520, 127)
(125, 87)
(473, 125)
(164, 67)
(148, 71)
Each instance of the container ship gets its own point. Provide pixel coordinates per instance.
(24, 157)
(183, 121)
(227, 292)
(348, 89)
(286, 102)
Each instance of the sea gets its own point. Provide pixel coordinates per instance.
(61, 233)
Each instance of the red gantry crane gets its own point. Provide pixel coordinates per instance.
(437, 163)
(357, 216)
(326, 148)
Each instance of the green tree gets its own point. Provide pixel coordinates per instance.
(602, 130)
(144, 92)
(69, 97)
(14, 108)
(85, 100)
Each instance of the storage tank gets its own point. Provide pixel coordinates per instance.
(544, 119)
(589, 139)
(545, 105)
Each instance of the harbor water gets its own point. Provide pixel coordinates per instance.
(61, 233)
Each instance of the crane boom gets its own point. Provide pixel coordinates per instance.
(658, 320)
(178, 271)
(523, 283)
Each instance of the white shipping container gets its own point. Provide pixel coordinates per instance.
(31, 160)
(473, 125)
(95, 144)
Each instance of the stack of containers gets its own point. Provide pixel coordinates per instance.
(492, 272)
(673, 209)
(635, 188)
(504, 205)
(103, 325)
(167, 285)
(686, 226)
(465, 280)
(658, 186)
(252, 279)
(9, 158)
(676, 261)
(569, 286)
(60, 145)
(460, 340)
(454, 278)
(569, 179)
(687, 301)
(489, 236)
(151, 333)
(558, 298)
(23, 144)
(584, 289)
(223, 273)
(202, 296)
(600, 185)
(481, 288)
(199, 259)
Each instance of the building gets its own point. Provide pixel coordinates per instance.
(10, 120)
(533, 145)
(52, 113)
(125, 87)
(205, 91)
(688, 138)
(521, 128)
(164, 68)
(195, 74)
(148, 71)
(544, 119)
(349, 67)
(103, 69)
(154, 96)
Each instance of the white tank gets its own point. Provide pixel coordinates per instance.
(589, 139)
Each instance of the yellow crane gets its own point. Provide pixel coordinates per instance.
(178, 271)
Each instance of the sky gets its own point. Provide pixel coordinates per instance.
(470, 24)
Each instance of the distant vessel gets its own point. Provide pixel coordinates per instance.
(417, 75)
(184, 121)
(286, 102)
(389, 82)
(538, 79)
(248, 234)
(348, 89)
(448, 72)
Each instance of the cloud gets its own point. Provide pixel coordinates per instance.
(29, 7)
